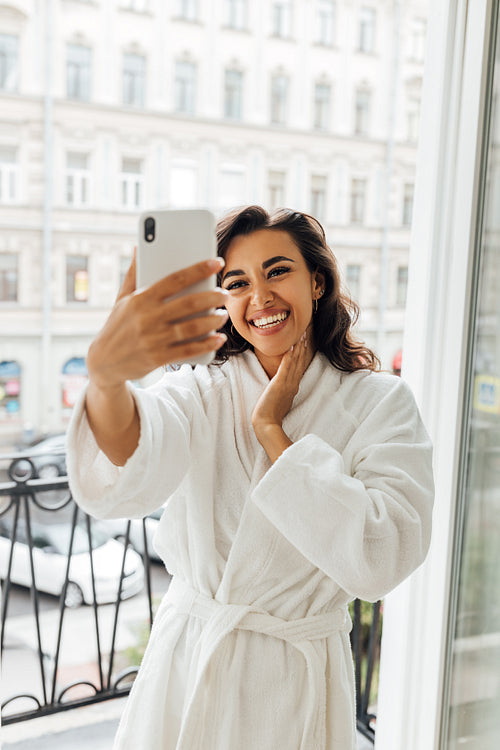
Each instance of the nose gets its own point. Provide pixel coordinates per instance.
(261, 294)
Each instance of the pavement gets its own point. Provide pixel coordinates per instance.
(80, 729)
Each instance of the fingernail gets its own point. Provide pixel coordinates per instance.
(215, 264)
(291, 349)
(221, 312)
(221, 336)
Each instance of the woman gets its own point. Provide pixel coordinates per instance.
(297, 476)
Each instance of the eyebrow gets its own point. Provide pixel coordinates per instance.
(266, 264)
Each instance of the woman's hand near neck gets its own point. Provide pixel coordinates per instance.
(277, 398)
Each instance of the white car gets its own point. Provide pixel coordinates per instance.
(117, 528)
(50, 554)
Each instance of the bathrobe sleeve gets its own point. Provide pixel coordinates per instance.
(150, 475)
(363, 517)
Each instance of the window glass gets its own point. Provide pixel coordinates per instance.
(280, 18)
(326, 22)
(279, 99)
(472, 716)
(77, 278)
(233, 94)
(235, 13)
(367, 29)
(78, 58)
(8, 277)
(322, 94)
(185, 87)
(9, 177)
(9, 62)
(77, 179)
(358, 189)
(353, 277)
(10, 391)
(362, 112)
(134, 79)
(318, 196)
(276, 188)
(131, 180)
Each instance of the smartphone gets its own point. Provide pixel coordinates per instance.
(170, 240)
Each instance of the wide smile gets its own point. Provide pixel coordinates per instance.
(270, 322)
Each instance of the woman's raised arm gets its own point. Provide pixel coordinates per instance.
(143, 332)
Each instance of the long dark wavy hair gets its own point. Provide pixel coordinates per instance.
(336, 313)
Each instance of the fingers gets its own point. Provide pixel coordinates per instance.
(179, 331)
(179, 280)
(128, 285)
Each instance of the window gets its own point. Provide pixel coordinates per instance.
(367, 30)
(134, 79)
(326, 22)
(187, 9)
(279, 99)
(322, 95)
(236, 14)
(74, 377)
(413, 118)
(185, 87)
(8, 277)
(183, 185)
(10, 396)
(318, 196)
(407, 204)
(78, 60)
(353, 280)
(362, 109)
(231, 187)
(77, 278)
(281, 17)
(77, 179)
(9, 171)
(233, 94)
(276, 187)
(401, 286)
(9, 62)
(132, 181)
(417, 39)
(358, 190)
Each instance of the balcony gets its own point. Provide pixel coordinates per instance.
(78, 601)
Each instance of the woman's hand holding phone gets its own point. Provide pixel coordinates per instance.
(147, 329)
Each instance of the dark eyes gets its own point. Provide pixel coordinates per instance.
(277, 271)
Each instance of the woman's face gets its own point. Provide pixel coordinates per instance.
(271, 292)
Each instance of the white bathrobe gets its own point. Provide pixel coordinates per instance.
(250, 647)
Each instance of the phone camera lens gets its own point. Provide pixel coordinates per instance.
(149, 229)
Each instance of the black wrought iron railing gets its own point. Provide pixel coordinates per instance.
(40, 525)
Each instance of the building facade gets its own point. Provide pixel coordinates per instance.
(109, 107)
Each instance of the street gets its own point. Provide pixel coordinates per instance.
(78, 659)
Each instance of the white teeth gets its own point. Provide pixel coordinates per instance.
(270, 321)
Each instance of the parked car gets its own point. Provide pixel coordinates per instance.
(50, 554)
(117, 528)
(45, 459)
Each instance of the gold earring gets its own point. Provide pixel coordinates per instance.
(316, 305)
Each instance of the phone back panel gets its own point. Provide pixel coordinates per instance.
(181, 238)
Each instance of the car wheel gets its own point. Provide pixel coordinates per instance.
(49, 471)
(74, 595)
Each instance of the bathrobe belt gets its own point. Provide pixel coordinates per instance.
(222, 619)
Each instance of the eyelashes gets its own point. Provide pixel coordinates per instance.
(273, 273)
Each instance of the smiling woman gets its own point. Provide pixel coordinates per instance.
(295, 478)
(288, 244)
